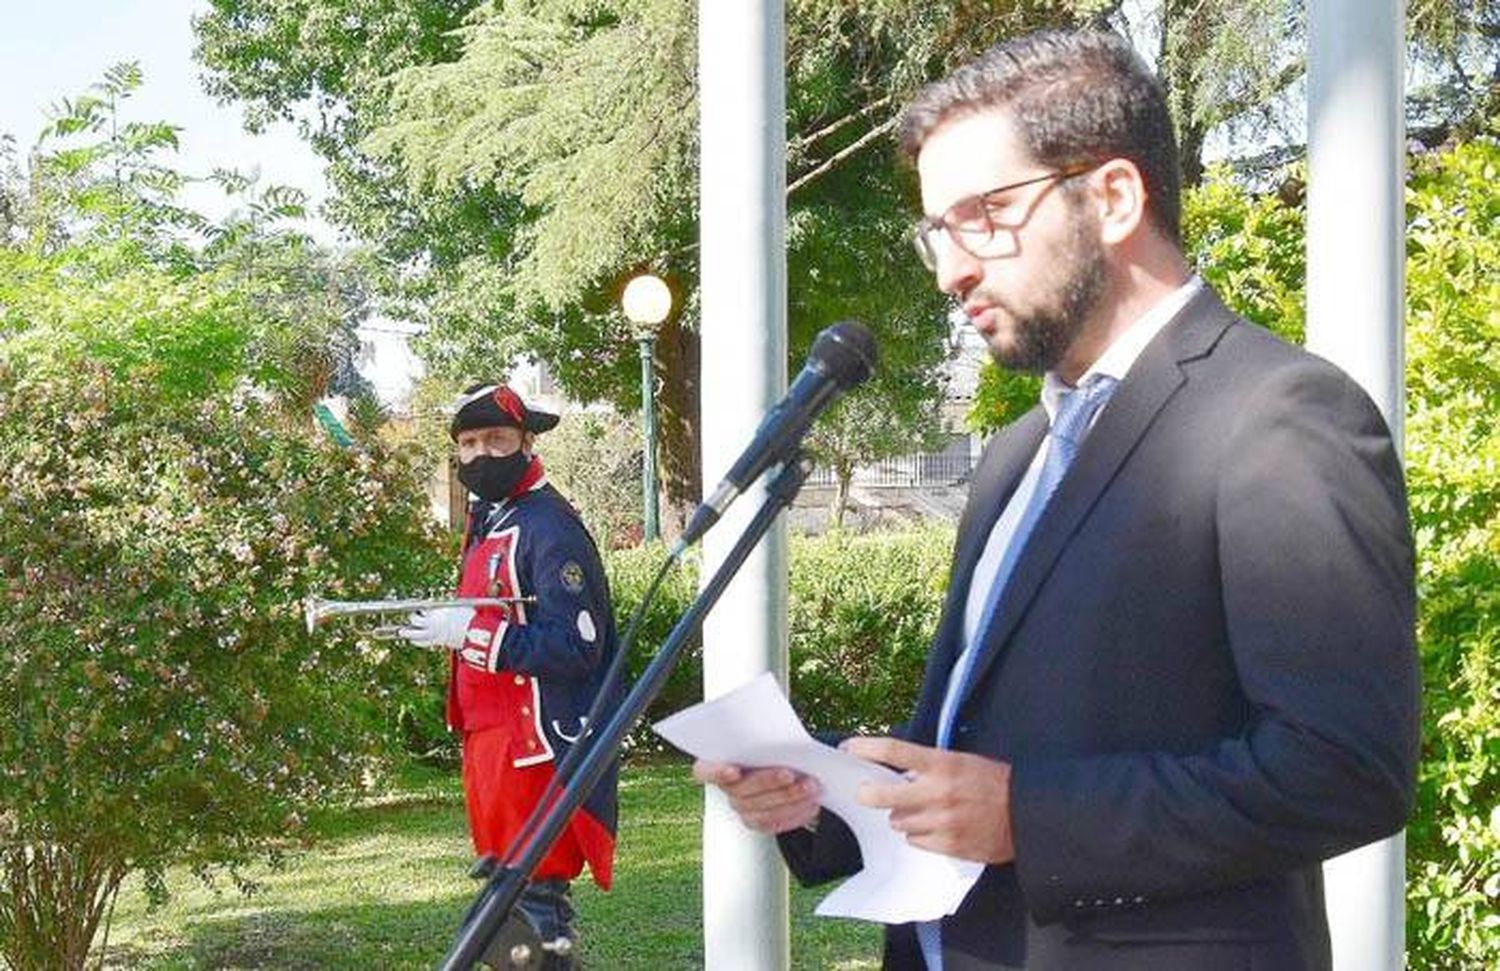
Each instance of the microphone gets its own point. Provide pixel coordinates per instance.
(843, 356)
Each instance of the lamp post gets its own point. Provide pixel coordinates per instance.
(647, 301)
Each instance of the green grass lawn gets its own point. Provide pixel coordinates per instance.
(385, 886)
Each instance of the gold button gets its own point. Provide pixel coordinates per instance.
(520, 679)
(525, 709)
(531, 743)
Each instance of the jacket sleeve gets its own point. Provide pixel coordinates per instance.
(1317, 584)
(827, 853)
(565, 629)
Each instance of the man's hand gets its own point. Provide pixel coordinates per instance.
(955, 803)
(440, 627)
(768, 800)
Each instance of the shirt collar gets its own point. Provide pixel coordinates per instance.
(1118, 358)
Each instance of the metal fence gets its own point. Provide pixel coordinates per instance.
(949, 466)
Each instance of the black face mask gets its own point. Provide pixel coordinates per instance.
(492, 479)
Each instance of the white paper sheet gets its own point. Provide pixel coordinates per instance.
(754, 725)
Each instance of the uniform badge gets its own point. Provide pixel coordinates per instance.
(571, 575)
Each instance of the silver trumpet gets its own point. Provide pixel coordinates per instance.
(316, 609)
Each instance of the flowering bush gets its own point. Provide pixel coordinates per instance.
(162, 517)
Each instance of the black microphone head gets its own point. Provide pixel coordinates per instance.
(847, 350)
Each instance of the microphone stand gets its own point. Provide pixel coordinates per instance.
(491, 909)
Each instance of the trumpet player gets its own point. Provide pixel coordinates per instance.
(523, 676)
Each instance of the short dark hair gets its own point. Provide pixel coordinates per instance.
(1078, 97)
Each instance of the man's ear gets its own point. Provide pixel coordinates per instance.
(528, 442)
(1121, 198)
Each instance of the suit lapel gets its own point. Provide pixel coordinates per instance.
(994, 482)
(1151, 382)
(999, 472)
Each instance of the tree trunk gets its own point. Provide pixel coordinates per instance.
(52, 900)
(1182, 34)
(843, 475)
(679, 458)
(1190, 150)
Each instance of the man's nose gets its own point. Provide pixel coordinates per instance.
(958, 271)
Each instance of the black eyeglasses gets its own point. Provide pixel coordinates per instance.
(972, 222)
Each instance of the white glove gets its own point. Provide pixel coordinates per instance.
(439, 627)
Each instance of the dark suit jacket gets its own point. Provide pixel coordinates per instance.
(1202, 671)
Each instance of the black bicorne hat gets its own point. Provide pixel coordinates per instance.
(492, 405)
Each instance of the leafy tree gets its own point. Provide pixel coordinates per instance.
(562, 136)
(95, 175)
(594, 457)
(1457, 48)
(1225, 65)
(1235, 72)
(517, 161)
(1001, 398)
(838, 243)
(1251, 247)
(99, 196)
(166, 504)
(13, 195)
(324, 295)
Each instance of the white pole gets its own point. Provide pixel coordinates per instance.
(742, 125)
(1355, 300)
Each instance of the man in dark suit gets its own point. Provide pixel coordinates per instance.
(1175, 669)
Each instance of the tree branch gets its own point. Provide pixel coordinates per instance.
(1235, 107)
(840, 156)
(803, 141)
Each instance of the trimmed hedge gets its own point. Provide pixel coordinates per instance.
(861, 613)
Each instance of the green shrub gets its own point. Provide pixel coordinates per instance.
(1453, 476)
(631, 570)
(861, 614)
(1251, 249)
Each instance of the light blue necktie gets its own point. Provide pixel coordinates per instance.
(1075, 411)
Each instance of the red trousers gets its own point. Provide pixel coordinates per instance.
(500, 798)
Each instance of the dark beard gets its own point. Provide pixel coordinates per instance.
(1044, 335)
